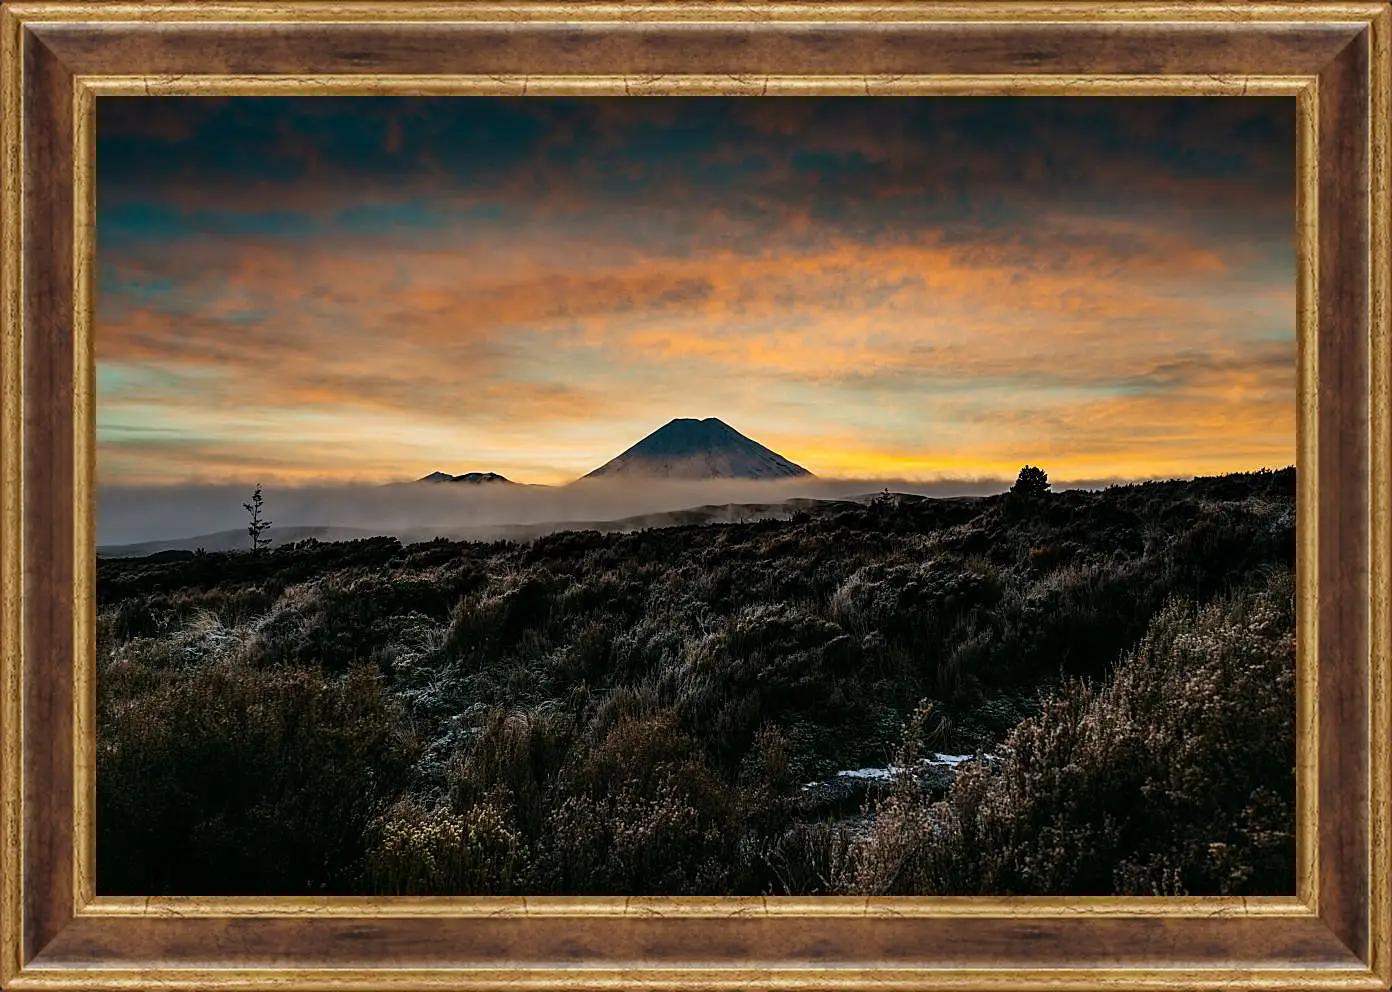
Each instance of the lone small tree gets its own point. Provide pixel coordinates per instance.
(258, 526)
(1031, 482)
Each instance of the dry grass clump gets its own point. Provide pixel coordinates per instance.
(413, 849)
(1176, 777)
(230, 779)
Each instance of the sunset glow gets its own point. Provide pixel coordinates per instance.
(336, 290)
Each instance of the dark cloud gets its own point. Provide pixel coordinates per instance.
(970, 158)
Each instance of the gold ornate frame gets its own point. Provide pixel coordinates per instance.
(1334, 58)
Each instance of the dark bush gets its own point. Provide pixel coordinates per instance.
(225, 780)
(1175, 778)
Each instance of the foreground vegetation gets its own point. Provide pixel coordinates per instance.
(639, 713)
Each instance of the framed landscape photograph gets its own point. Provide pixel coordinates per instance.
(695, 495)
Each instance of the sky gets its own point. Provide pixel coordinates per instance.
(329, 291)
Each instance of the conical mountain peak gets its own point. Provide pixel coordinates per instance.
(691, 449)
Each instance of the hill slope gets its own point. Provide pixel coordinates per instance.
(469, 478)
(642, 713)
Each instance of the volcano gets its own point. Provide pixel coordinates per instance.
(690, 449)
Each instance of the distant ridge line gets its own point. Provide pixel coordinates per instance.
(468, 478)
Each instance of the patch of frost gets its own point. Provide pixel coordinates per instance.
(888, 772)
(878, 774)
(953, 760)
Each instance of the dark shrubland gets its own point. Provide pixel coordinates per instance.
(639, 713)
(1174, 777)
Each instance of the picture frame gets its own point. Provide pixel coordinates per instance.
(1334, 58)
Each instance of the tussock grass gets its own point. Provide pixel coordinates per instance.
(1173, 777)
(638, 713)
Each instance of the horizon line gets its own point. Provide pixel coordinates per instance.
(809, 479)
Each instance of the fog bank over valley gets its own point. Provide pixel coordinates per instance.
(129, 515)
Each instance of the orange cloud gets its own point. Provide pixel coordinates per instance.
(608, 295)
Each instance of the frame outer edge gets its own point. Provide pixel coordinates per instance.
(670, 980)
(618, 979)
(11, 461)
(1380, 413)
(11, 494)
(187, 11)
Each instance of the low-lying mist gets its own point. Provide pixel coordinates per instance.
(420, 510)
